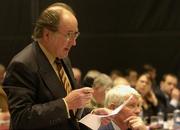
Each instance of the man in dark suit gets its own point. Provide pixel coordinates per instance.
(168, 95)
(37, 94)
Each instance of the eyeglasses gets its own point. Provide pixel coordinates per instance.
(70, 35)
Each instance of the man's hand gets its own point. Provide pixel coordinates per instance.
(103, 111)
(79, 98)
(175, 94)
(135, 123)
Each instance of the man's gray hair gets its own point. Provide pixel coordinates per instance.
(119, 94)
(103, 80)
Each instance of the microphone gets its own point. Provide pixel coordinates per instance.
(87, 82)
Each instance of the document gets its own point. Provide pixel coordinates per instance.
(94, 121)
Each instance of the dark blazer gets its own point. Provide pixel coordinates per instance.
(165, 105)
(107, 127)
(35, 93)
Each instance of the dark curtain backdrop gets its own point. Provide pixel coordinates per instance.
(115, 34)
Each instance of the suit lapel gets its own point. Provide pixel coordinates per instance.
(48, 74)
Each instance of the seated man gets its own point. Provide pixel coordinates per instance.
(128, 117)
(4, 112)
(3, 100)
(169, 94)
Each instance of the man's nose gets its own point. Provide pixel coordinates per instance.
(137, 110)
(73, 42)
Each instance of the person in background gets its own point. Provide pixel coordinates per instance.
(128, 117)
(2, 73)
(3, 101)
(77, 75)
(131, 76)
(169, 95)
(4, 111)
(115, 73)
(101, 84)
(150, 103)
(151, 70)
(39, 81)
(120, 81)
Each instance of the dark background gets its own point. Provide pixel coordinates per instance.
(115, 34)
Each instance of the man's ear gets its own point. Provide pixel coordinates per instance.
(46, 34)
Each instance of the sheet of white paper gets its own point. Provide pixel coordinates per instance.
(94, 121)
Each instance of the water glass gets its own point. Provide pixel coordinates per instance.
(177, 119)
(170, 121)
(154, 120)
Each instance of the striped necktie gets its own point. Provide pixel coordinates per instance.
(63, 76)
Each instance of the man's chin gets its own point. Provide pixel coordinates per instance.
(66, 55)
(63, 56)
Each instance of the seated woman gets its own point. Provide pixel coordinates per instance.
(150, 102)
(128, 117)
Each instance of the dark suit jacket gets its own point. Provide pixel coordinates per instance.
(107, 127)
(35, 93)
(165, 105)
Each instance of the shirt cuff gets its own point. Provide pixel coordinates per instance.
(67, 109)
(174, 102)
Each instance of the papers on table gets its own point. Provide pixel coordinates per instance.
(94, 121)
